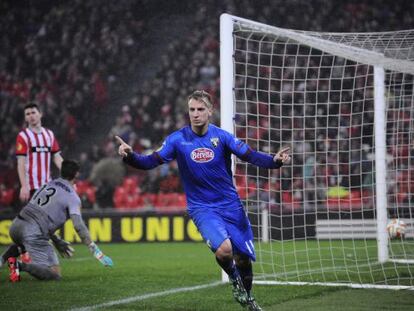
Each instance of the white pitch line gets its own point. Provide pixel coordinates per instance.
(147, 296)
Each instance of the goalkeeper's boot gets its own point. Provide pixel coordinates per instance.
(25, 257)
(239, 292)
(14, 270)
(252, 304)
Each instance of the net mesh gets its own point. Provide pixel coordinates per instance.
(314, 92)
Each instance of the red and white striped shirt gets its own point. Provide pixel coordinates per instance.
(38, 149)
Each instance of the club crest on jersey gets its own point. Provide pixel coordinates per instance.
(202, 155)
(214, 141)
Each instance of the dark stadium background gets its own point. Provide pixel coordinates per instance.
(104, 68)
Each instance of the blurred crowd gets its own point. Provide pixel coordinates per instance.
(71, 58)
(68, 58)
(323, 108)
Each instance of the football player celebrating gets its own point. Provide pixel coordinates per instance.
(203, 153)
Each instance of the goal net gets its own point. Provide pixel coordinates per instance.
(344, 104)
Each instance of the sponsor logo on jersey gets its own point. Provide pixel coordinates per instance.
(214, 141)
(41, 149)
(202, 155)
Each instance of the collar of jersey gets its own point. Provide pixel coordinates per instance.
(196, 135)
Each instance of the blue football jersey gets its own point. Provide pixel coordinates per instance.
(205, 165)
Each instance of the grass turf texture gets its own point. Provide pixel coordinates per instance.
(335, 261)
(147, 268)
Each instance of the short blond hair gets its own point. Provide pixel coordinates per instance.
(202, 96)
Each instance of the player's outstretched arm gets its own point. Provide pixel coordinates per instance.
(144, 162)
(265, 160)
(84, 235)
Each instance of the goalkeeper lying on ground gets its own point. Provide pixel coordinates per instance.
(50, 207)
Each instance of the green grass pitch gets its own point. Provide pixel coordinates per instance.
(146, 276)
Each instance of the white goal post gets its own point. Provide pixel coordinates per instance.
(344, 103)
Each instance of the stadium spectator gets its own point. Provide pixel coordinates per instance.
(66, 58)
(77, 56)
(106, 175)
(86, 164)
(43, 216)
(203, 152)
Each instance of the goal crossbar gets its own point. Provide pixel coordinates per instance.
(350, 51)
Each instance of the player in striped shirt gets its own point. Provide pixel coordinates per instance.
(36, 147)
(203, 153)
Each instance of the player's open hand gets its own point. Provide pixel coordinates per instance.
(282, 155)
(64, 248)
(124, 149)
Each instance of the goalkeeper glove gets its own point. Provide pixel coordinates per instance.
(97, 253)
(63, 247)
